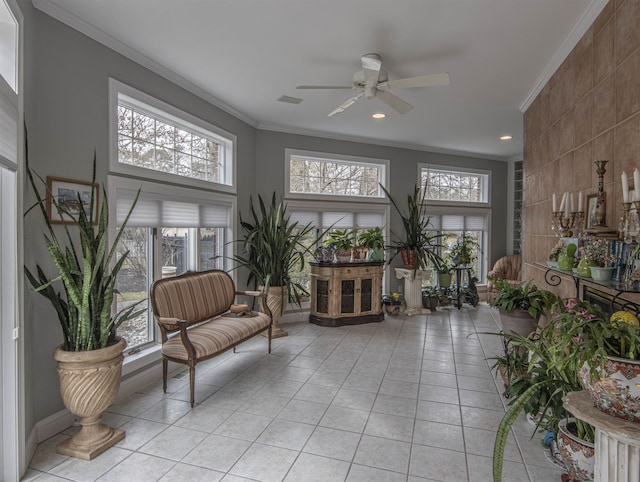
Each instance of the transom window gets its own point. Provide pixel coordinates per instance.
(454, 185)
(337, 176)
(167, 143)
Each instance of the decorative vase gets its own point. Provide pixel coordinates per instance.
(376, 254)
(89, 382)
(565, 262)
(584, 267)
(578, 455)
(324, 254)
(444, 280)
(343, 255)
(392, 308)
(409, 258)
(617, 390)
(360, 253)
(601, 274)
(277, 299)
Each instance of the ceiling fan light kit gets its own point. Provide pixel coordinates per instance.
(371, 82)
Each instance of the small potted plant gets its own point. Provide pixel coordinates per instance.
(373, 239)
(555, 252)
(595, 259)
(392, 303)
(343, 240)
(430, 296)
(463, 251)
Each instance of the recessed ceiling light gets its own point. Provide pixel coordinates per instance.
(379, 115)
(506, 138)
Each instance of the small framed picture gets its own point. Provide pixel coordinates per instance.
(71, 196)
(592, 201)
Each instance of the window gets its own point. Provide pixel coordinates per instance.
(317, 174)
(323, 216)
(153, 139)
(454, 185)
(453, 224)
(171, 230)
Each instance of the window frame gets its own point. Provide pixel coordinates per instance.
(172, 115)
(341, 158)
(458, 170)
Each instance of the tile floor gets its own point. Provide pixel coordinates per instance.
(408, 399)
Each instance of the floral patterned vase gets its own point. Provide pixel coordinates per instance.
(617, 391)
(578, 455)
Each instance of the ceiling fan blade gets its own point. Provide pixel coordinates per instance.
(371, 65)
(346, 104)
(423, 81)
(396, 103)
(324, 87)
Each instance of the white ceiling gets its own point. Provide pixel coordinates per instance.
(245, 54)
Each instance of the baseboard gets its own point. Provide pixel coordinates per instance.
(48, 427)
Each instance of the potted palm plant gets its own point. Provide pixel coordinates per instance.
(418, 244)
(273, 248)
(90, 357)
(464, 250)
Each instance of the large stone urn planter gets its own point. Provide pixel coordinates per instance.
(89, 382)
(276, 300)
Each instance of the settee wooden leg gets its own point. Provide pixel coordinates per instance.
(192, 382)
(165, 369)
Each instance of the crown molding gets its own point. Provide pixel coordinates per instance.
(567, 46)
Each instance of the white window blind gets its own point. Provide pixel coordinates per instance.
(458, 222)
(153, 209)
(339, 219)
(8, 124)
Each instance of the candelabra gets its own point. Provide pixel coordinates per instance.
(629, 226)
(567, 227)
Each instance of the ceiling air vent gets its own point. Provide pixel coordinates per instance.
(290, 100)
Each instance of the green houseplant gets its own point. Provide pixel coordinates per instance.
(419, 242)
(464, 250)
(373, 238)
(273, 248)
(343, 240)
(521, 306)
(90, 357)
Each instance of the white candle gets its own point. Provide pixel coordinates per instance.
(625, 188)
(632, 195)
(563, 201)
(573, 209)
(566, 207)
(636, 179)
(580, 201)
(554, 203)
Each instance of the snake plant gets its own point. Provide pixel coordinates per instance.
(87, 273)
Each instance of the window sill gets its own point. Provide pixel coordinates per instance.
(143, 359)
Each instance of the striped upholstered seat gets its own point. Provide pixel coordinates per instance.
(192, 311)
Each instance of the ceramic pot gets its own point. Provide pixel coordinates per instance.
(360, 253)
(444, 280)
(392, 308)
(518, 321)
(276, 300)
(409, 258)
(578, 455)
(565, 262)
(343, 255)
(584, 267)
(601, 274)
(324, 254)
(376, 254)
(89, 382)
(617, 390)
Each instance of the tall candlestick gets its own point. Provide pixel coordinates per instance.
(571, 204)
(566, 209)
(563, 201)
(625, 188)
(636, 179)
(554, 203)
(580, 201)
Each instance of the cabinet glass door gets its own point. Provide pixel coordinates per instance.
(366, 291)
(347, 296)
(322, 296)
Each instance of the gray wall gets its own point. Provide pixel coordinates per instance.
(66, 110)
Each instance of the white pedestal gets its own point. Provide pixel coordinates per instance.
(413, 289)
(617, 445)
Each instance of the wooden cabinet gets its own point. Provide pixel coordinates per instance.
(346, 293)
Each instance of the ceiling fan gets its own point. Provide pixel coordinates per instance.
(371, 81)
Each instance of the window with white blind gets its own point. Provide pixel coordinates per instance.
(452, 224)
(325, 216)
(170, 230)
